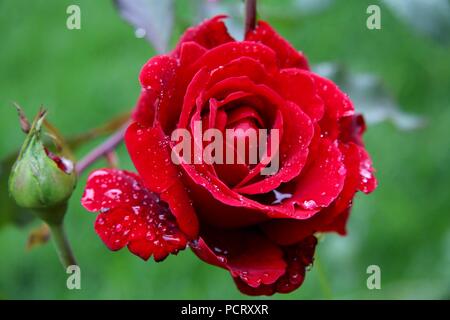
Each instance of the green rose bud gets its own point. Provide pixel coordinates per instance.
(41, 180)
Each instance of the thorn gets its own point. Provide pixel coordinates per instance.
(24, 123)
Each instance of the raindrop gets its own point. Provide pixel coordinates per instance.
(309, 204)
(140, 33)
(113, 193)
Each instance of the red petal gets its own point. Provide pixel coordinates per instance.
(147, 230)
(242, 113)
(337, 105)
(294, 142)
(192, 95)
(298, 86)
(352, 129)
(288, 56)
(339, 224)
(208, 34)
(245, 253)
(298, 257)
(144, 112)
(242, 66)
(319, 183)
(131, 215)
(332, 218)
(221, 207)
(265, 100)
(190, 53)
(158, 78)
(297, 134)
(351, 162)
(150, 153)
(368, 182)
(227, 52)
(324, 179)
(110, 188)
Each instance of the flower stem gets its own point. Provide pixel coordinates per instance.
(62, 245)
(106, 147)
(250, 16)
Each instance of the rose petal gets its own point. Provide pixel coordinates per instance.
(131, 215)
(352, 128)
(208, 34)
(194, 79)
(245, 253)
(289, 231)
(293, 146)
(146, 229)
(150, 153)
(368, 182)
(110, 188)
(158, 78)
(190, 53)
(298, 257)
(213, 198)
(338, 224)
(144, 112)
(219, 206)
(298, 86)
(352, 178)
(287, 56)
(192, 95)
(225, 53)
(242, 66)
(297, 134)
(159, 74)
(337, 105)
(242, 113)
(261, 97)
(319, 183)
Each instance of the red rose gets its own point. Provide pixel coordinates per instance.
(259, 227)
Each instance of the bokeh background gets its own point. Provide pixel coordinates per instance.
(399, 77)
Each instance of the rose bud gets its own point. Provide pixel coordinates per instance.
(41, 180)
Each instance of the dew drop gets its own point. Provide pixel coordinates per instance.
(309, 204)
(113, 193)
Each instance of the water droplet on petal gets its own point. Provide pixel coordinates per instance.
(309, 204)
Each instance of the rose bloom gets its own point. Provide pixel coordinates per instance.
(258, 227)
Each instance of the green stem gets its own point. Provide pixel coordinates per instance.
(62, 245)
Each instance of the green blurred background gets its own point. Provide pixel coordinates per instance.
(85, 77)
